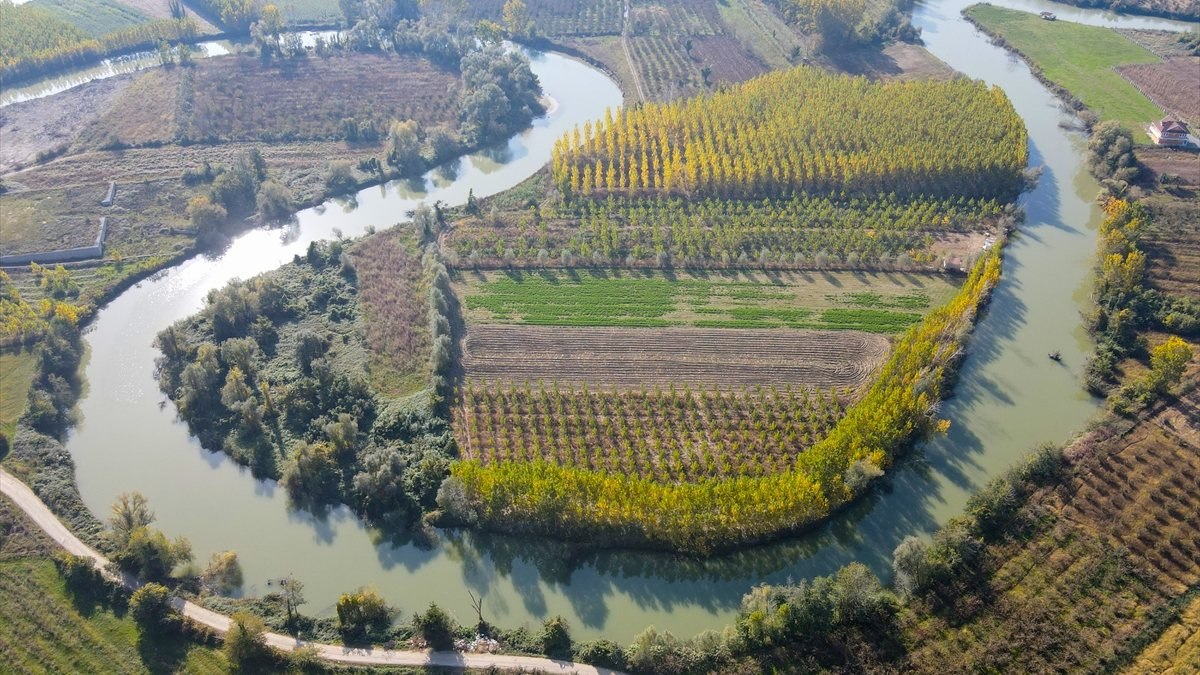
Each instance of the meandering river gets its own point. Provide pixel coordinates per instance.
(1010, 398)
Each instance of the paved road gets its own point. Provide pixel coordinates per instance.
(41, 515)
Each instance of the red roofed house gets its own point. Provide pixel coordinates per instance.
(1169, 132)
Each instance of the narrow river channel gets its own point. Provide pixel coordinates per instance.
(1009, 398)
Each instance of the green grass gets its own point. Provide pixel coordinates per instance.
(16, 375)
(1080, 59)
(874, 303)
(97, 18)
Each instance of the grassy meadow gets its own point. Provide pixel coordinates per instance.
(1081, 59)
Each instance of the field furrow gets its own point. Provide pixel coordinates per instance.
(646, 356)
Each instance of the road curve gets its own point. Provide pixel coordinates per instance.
(41, 515)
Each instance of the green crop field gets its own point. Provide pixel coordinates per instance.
(97, 18)
(1081, 59)
(877, 303)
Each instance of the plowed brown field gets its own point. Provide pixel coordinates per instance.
(634, 357)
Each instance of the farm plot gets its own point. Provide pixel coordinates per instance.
(241, 98)
(390, 280)
(1173, 84)
(97, 18)
(1172, 245)
(674, 44)
(50, 219)
(558, 18)
(807, 232)
(683, 434)
(631, 358)
(727, 58)
(877, 303)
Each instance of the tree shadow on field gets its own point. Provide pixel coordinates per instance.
(866, 61)
(164, 652)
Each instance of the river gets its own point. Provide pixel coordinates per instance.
(1010, 398)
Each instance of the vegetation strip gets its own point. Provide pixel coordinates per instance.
(28, 502)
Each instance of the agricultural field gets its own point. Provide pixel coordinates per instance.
(1172, 242)
(1174, 85)
(677, 434)
(96, 18)
(736, 360)
(557, 18)
(755, 24)
(683, 48)
(1098, 555)
(300, 13)
(1080, 59)
(390, 275)
(1165, 44)
(1188, 10)
(876, 303)
(161, 9)
(240, 98)
(36, 38)
(18, 367)
(801, 232)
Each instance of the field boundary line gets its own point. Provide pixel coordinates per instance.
(44, 518)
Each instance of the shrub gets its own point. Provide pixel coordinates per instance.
(223, 574)
(274, 201)
(150, 607)
(246, 642)
(360, 612)
(339, 177)
(555, 638)
(436, 627)
(602, 653)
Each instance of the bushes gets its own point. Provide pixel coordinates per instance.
(361, 613)
(151, 608)
(246, 642)
(436, 627)
(602, 653)
(1110, 153)
(555, 638)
